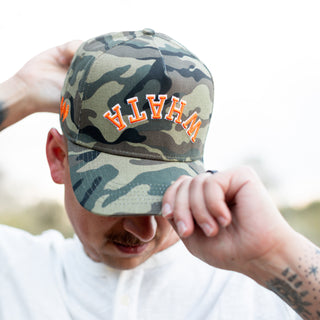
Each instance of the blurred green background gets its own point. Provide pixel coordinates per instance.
(38, 218)
(306, 220)
(51, 215)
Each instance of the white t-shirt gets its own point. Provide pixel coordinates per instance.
(47, 277)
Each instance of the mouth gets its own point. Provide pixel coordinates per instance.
(130, 248)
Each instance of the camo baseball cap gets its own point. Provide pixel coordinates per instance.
(135, 109)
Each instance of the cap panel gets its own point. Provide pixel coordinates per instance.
(73, 91)
(105, 42)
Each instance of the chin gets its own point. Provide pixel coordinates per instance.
(125, 264)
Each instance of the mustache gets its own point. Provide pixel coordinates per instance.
(124, 239)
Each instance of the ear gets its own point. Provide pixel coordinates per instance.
(57, 156)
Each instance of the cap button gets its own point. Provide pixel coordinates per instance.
(148, 32)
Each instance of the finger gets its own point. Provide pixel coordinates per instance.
(215, 189)
(200, 213)
(182, 216)
(169, 198)
(175, 206)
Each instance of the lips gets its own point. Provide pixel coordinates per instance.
(130, 249)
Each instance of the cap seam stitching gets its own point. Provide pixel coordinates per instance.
(161, 55)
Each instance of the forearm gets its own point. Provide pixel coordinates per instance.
(14, 104)
(294, 275)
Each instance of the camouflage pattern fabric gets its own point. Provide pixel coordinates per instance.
(135, 108)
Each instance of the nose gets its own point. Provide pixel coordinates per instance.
(142, 227)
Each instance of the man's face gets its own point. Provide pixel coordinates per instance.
(122, 242)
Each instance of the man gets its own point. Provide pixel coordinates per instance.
(134, 110)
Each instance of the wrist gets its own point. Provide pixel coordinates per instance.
(15, 104)
(272, 263)
(23, 99)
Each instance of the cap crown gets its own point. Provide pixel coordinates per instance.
(137, 94)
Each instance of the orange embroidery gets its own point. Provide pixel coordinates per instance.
(194, 126)
(173, 108)
(64, 109)
(137, 116)
(191, 125)
(156, 106)
(116, 119)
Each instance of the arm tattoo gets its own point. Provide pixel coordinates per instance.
(288, 290)
(3, 113)
(292, 288)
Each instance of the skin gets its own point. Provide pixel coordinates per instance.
(214, 210)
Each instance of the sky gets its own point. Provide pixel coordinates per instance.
(264, 57)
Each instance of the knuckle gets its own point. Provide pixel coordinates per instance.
(248, 171)
(183, 177)
(250, 175)
(197, 182)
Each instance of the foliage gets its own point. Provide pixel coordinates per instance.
(305, 220)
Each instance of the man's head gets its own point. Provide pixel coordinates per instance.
(122, 242)
(135, 111)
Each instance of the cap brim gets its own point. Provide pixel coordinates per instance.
(109, 185)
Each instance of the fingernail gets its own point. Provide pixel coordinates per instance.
(207, 229)
(166, 210)
(223, 221)
(181, 228)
